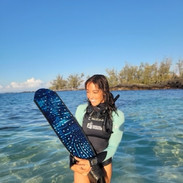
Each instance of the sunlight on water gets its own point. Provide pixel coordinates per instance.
(150, 152)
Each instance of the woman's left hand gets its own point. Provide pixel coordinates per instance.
(82, 166)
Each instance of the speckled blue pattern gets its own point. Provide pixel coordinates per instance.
(63, 123)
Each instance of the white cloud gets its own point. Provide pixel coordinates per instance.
(29, 85)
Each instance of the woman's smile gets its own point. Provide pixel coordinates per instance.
(94, 94)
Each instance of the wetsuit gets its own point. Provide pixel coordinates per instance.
(104, 136)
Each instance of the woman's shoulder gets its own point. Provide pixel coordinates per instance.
(82, 107)
(80, 111)
(118, 112)
(118, 115)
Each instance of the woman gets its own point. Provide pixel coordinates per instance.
(102, 123)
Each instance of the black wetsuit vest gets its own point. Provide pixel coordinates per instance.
(97, 126)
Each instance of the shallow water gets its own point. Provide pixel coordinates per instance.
(150, 151)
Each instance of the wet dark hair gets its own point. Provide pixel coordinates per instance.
(102, 83)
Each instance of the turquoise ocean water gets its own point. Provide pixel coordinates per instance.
(151, 150)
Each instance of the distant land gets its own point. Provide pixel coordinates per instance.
(174, 84)
(168, 85)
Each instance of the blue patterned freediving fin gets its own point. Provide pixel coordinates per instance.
(64, 124)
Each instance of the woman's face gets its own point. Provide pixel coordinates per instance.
(94, 94)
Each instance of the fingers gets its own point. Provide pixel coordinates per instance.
(82, 166)
(77, 159)
(81, 169)
(83, 162)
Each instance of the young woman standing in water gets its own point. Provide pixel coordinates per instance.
(102, 123)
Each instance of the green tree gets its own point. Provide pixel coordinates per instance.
(164, 70)
(112, 77)
(149, 75)
(180, 68)
(59, 83)
(124, 74)
(129, 74)
(133, 74)
(154, 73)
(74, 80)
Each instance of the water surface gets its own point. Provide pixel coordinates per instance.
(150, 151)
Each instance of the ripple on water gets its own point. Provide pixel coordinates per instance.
(150, 152)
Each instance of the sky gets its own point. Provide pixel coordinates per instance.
(41, 39)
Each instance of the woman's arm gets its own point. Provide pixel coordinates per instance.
(116, 136)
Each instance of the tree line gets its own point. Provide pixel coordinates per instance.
(156, 74)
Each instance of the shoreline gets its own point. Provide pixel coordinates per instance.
(125, 87)
(144, 87)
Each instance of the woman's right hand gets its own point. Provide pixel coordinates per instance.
(82, 166)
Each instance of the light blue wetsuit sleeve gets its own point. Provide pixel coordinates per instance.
(116, 136)
(80, 112)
